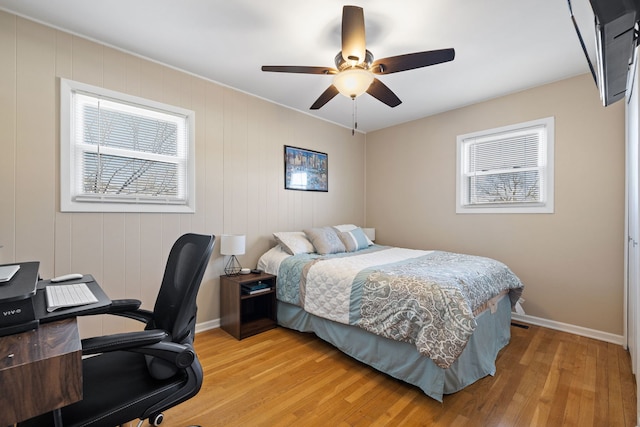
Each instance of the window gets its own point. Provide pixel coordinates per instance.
(120, 153)
(506, 170)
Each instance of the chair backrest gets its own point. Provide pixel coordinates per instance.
(175, 307)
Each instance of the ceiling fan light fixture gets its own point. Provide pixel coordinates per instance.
(353, 82)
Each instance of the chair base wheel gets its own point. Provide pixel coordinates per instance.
(156, 420)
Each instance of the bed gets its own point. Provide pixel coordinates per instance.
(433, 319)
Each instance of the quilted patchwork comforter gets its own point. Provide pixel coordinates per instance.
(427, 298)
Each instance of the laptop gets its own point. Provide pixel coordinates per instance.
(7, 272)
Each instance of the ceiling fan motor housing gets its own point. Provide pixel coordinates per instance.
(342, 64)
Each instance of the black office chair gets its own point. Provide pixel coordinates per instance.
(137, 375)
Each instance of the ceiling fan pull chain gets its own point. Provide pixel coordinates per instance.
(354, 116)
(355, 106)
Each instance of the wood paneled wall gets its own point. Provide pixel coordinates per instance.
(239, 169)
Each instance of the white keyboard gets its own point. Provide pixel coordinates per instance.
(60, 296)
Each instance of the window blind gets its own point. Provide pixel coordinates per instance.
(506, 168)
(128, 153)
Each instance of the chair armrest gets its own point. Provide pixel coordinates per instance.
(180, 355)
(123, 341)
(129, 308)
(141, 315)
(120, 305)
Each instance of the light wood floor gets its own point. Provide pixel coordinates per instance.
(286, 378)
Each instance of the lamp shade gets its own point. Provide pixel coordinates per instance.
(370, 232)
(353, 82)
(232, 244)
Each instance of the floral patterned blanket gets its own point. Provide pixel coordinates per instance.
(427, 298)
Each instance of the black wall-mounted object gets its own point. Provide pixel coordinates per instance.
(615, 44)
(615, 32)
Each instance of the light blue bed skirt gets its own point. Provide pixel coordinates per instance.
(402, 360)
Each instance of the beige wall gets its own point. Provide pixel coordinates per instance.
(239, 167)
(571, 261)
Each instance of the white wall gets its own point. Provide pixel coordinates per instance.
(632, 252)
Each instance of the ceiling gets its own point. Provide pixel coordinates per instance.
(502, 46)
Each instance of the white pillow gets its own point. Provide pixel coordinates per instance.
(349, 227)
(294, 242)
(345, 227)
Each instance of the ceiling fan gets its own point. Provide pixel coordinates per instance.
(355, 67)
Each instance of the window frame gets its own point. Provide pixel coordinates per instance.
(546, 205)
(72, 201)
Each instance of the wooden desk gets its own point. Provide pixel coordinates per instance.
(40, 370)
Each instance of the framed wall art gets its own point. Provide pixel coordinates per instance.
(305, 170)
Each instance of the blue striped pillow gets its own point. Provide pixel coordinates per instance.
(354, 240)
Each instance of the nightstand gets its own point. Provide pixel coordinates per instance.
(243, 314)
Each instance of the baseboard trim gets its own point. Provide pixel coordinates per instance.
(205, 326)
(572, 329)
(524, 318)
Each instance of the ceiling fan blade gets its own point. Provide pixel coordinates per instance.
(382, 93)
(410, 61)
(299, 69)
(353, 34)
(326, 96)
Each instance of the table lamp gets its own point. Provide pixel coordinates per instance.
(232, 244)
